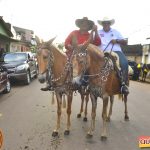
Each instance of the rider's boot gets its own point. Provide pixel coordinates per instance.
(124, 89)
(47, 88)
(85, 80)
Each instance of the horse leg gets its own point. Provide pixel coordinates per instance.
(110, 108)
(82, 103)
(69, 100)
(93, 115)
(86, 105)
(126, 110)
(59, 103)
(104, 117)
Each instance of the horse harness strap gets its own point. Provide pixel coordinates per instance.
(66, 72)
(108, 66)
(103, 73)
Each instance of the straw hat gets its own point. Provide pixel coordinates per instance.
(90, 23)
(106, 19)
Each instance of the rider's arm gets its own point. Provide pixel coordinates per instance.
(96, 38)
(122, 41)
(68, 41)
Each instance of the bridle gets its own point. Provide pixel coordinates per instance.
(66, 74)
(103, 72)
(101, 75)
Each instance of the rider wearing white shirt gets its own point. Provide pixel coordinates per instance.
(110, 41)
(106, 37)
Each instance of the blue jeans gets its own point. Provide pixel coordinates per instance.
(124, 65)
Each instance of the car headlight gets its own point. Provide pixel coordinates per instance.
(22, 67)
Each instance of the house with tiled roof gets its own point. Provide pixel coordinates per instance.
(5, 36)
(25, 38)
(133, 52)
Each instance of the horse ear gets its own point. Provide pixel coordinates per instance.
(51, 40)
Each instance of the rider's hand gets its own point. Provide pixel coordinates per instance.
(114, 41)
(70, 47)
(94, 28)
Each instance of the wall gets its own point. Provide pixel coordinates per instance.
(146, 54)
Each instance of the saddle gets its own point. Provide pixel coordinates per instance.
(114, 58)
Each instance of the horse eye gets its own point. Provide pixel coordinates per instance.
(84, 54)
(45, 57)
(80, 54)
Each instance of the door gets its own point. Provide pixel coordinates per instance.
(3, 79)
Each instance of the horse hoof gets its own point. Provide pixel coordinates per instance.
(78, 115)
(103, 138)
(85, 119)
(89, 136)
(67, 132)
(126, 118)
(55, 133)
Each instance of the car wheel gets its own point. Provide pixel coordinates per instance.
(8, 87)
(28, 78)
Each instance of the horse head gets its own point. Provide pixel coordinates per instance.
(88, 59)
(79, 60)
(44, 53)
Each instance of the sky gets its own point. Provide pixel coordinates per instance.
(49, 18)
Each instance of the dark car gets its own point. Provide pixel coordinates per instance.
(20, 66)
(132, 64)
(5, 85)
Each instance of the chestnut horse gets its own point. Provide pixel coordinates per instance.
(103, 81)
(57, 69)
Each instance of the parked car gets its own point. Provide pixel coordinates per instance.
(5, 86)
(20, 66)
(132, 64)
(131, 72)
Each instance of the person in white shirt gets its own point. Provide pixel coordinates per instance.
(111, 39)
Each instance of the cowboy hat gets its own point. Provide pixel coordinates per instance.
(106, 19)
(90, 23)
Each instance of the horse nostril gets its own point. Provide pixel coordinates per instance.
(41, 79)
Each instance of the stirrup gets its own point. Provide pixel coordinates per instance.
(124, 89)
(47, 88)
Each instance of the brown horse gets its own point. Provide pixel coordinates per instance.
(103, 81)
(57, 69)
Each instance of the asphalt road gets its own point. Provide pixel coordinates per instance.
(27, 120)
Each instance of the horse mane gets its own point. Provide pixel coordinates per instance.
(95, 51)
(54, 48)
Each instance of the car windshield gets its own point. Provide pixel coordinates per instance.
(15, 57)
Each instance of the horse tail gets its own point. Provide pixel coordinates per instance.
(53, 98)
(64, 101)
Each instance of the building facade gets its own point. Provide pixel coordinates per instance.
(5, 36)
(133, 52)
(25, 40)
(146, 54)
